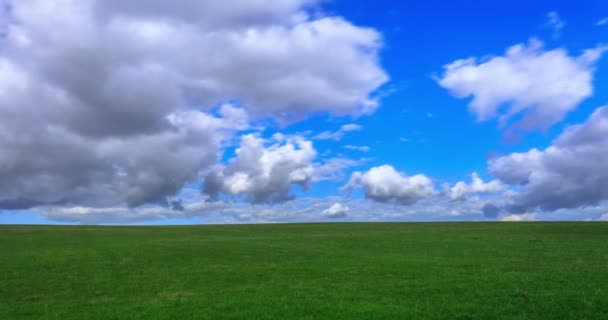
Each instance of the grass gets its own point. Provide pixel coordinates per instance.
(306, 271)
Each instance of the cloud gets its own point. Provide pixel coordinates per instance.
(4, 17)
(555, 23)
(110, 103)
(263, 174)
(538, 87)
(333, 169)
(93, 215)
(337, 135)
(358, 148)
(272, 58)
(197, 208)
(461, 188)
(490, 210)
(52, 165)
(243, 13)
(301, 209)
(570, 173)
(519, 217)
(385, 184)
(602, 22)
(336, 210)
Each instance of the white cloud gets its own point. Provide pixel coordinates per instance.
(264, 174)
(358, 148)
(109, 103)
(571, 173)
(519, 217)
(477, 185)
(541, 86)
(337, 135)
(385, 184)
(333, 169)
(603, 217)
(336, 210)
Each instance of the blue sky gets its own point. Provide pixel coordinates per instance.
(202, 114)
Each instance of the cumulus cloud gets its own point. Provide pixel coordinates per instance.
(571, 173)
(337, 135)
(52, 165)
(477, 185)
(199, 53)
(336, 210)
(537, 86)
(385, 184)
(264, 174)
(110, 103)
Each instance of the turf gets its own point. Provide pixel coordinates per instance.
(306, 271)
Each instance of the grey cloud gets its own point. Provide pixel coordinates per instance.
(105, 215)
(177, 205)
(49, 165)
(571, 173)
(237, 13)
(490, 211)
(110, 103)
(129, 62)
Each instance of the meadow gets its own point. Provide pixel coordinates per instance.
(306, 271)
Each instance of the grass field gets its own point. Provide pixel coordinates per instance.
(306, 271)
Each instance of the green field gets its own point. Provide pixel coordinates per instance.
(306, 271)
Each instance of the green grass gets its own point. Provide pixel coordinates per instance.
(306, 271)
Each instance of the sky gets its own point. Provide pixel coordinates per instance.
(196, 112)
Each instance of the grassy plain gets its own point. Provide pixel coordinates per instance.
(306, 271)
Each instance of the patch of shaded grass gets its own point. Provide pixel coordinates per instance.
(306, 271)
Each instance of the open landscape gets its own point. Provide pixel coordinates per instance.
(303, 159)
(306, 271)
